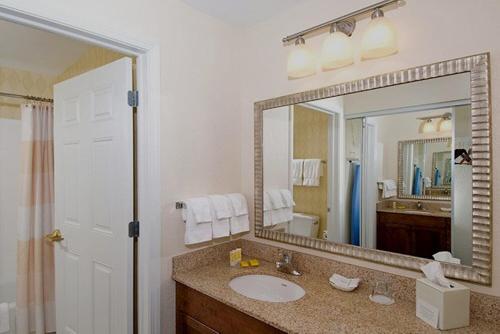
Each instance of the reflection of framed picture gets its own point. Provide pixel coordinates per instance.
(463, 157)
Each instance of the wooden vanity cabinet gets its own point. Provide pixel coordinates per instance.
(416, 235)
(197, 313)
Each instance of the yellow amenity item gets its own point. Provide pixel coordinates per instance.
(235, 257)
(244, 264)
(254, 263)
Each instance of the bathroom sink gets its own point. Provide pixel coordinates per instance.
(417, 212)
(267, 288)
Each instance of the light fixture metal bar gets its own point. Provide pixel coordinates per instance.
(351, 15)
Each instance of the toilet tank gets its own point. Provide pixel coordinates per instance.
(304, 225)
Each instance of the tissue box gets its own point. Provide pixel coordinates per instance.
(443, 308)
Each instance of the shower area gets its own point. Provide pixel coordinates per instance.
(27, 299)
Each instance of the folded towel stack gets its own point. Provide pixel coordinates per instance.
(389, 188)
(214, 216)
(278, 206)
(307, 172)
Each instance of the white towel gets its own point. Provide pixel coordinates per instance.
(297, 171)
(4, 318)
(287, 198)
(313, 170)
(427, 182)
(267, 208)
(221, 211)
(197, 231)
(389, 188)
(276, 198)
(239, 221)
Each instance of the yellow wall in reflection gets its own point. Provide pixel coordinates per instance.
(310, 141)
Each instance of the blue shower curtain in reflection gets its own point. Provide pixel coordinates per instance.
(356, 205)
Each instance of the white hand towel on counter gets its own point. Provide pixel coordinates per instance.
(267, 210)
(389, 188)
(222, 213)
(313, 170)
(4, 318)
(297, 171)
(289, 203)
(239, 221)
(198, 224)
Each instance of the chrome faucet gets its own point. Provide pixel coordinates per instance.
(420, 206)
(286, 266)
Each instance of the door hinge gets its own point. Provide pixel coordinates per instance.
(133, 98)
(133, 229)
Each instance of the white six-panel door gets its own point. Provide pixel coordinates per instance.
(93, 144)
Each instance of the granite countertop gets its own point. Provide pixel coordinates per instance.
(409, 211)
(322, 310)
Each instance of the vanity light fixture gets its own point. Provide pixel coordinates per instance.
(380, 37)
(428, 126)
(337, 50)
(445, 124)
(379, 40)
(301, 62)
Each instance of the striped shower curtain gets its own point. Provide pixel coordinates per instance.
(35, 257)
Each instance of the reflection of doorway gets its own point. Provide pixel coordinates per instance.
(147, 161)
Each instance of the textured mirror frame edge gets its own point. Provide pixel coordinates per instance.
(400, 169)
(479, 68)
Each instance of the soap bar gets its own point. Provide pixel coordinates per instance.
(254, 263)
(244, 264)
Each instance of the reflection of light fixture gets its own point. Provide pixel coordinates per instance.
(380, 38)
(337, 48)
(445, 123)
(300, 60)
(428, 126)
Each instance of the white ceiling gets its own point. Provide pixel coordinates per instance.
(37, 51)
(242, 12)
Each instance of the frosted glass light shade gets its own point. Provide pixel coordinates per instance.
(337, 51)
(379, 39)
(428, 126)
(445, 125)
(301, 62)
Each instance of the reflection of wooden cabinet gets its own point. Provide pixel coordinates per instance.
(197, 313)
(416, 235)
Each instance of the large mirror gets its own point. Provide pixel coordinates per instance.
(387, 169)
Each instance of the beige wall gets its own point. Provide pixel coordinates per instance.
(429, 31)
(310, 141)
(24, 83)
(93, 58)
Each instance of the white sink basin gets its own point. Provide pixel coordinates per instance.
(418, 212)
(267, 288)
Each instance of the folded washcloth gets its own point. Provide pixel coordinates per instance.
(446, 256)
(389, 188)
(239, 221)
(313, 170)
(297, 171)
(344, 283)
(198, 228)
(287, 198)
(222, 212)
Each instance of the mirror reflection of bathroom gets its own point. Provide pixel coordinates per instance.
(387, 169)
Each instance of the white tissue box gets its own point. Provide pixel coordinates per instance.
(443, 308)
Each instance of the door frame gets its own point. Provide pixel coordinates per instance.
(148, 147)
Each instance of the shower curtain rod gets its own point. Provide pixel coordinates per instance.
(26, 97)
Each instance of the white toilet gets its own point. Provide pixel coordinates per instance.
(304, 225)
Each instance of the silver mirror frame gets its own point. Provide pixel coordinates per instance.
(479, 68)
(400, 169)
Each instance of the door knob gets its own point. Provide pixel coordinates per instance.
(55, 236)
